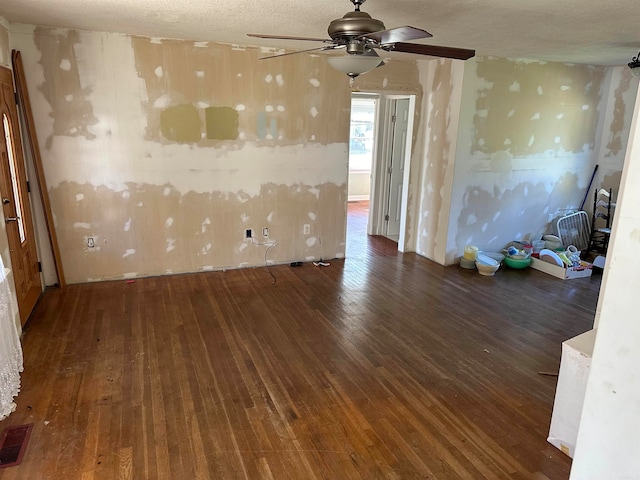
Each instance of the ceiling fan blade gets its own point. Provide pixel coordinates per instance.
(284, 37)
(328, 47)
(399, 34)
(431, 50)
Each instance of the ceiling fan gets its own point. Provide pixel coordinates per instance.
(360, 35)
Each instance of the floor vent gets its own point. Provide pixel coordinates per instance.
(13, 444)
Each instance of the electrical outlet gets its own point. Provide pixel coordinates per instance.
(91, 242)
(307, 229)
(248, 233)
(265, 231)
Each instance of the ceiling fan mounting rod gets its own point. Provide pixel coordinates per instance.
(357, 3)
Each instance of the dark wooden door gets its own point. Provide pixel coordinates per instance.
(15, 202)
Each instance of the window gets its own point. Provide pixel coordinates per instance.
(363, 118)
(14, 178)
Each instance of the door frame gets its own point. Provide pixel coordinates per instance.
(382, 158)
(34, 162)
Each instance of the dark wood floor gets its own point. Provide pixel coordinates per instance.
(381, 366)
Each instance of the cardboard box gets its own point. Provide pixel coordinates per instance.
(584, 270)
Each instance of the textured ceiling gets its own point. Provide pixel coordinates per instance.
(580, 31)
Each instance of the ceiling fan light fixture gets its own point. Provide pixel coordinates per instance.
(634, 65)
(354, 65)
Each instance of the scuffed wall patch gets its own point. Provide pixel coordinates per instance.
(181, 123)
(617, 127)
(610, 182)
(71, 110)
(222, 123)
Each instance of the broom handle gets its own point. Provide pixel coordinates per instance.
(593, 175)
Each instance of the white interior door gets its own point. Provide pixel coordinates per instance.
(400, 121)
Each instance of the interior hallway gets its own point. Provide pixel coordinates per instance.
(359, 244)
(383, 365)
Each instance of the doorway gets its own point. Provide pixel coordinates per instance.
(362, 137)
(395, 167)
(379, 158)
(14, 190)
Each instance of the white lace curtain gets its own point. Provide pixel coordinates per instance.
(10, 349)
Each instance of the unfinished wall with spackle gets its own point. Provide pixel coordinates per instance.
(443, 80)
(528, 140)
(164, 152)
(621, 89)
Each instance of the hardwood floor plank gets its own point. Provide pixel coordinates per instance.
(381, 366)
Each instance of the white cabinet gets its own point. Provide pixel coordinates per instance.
(575, 364)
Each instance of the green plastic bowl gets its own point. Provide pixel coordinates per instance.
(517, 263)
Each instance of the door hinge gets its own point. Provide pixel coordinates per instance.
(28, 187)
(17, 98)
(393, 118)
(39, 266)
(390, 170)
(386, 218)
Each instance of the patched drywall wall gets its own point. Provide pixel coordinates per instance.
(164, 231)
(164, 152)
(155, 125)
(218, 92)
(443, 83)
(528, 109)
(243, 144)
(621, 90)
(528, 140)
